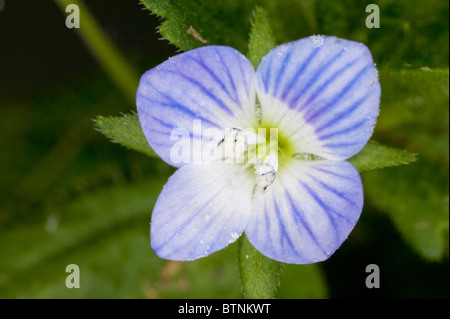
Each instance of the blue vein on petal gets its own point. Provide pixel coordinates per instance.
(325, 207)
(210, 222)
(229, 75)
(216, 79)
(268, 76)
(197, 238)
(344, 114)
(165, 124)
(323, 170)
(243, 72)
(205, 91)
(267, 221)
(338, 96)
(281, 223)
(332, 190)
(192, 218)
(287, 60)
(340, 145)
(347, 130)
(170, 127)
(314, 77)
(230, 217)
(159, 121)
(174, 105)
(188, 220)
(304, 223)
(330, 80)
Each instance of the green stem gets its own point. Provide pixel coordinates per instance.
(260, 276)
(110, 59)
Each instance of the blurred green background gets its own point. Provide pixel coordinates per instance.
(70, 196)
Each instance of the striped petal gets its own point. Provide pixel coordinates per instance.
(202, 209)
(306, 214)
(213, 84)
(323, 93)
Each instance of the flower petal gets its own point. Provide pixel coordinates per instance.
(323, 93)
(202, 209)
(306, 214)
(214, 84)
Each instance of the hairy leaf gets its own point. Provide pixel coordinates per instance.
(261, 38)
(189, 21)
(125, 130)
(375, 155)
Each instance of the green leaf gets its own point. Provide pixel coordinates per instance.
(261, 38)
(125, 130)
(375, 155)
(415, 197)
(217, 22)
(260, 276)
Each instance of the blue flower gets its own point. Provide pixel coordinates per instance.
(296, 203)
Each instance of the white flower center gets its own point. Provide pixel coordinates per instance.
(266, 171)
(233, 145)
(234, 148)
(265, 174)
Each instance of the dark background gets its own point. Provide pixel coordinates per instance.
(38, 51)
